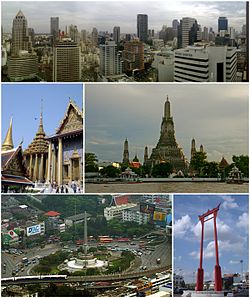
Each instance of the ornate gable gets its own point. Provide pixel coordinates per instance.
(15, 165)
(73, 119)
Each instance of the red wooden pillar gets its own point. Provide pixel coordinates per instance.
(200, 272)
(217, 269)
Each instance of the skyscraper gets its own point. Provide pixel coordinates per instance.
(175, 24)
(133, 55)
(66, 62)
(142, 27)
(222, 24)
(184, 31)
(74, 34)
(20, 38)
(116, 35)
(94, 36)
(205, 35)
(54, 29)
(110, 62)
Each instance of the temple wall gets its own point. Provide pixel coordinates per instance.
(70, 145)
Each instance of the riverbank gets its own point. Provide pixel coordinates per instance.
(167, 187)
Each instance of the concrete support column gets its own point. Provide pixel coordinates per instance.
(59, 162)
(46, 168)
(30, 167)
(49, 164)
(70, 170)
(41, 169)
(53, 168)
(35, 168)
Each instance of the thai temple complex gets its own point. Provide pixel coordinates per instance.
(167, 148)
(56, 159)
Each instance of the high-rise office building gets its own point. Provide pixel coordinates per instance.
(205, 35)
(175, 24)
(74, 34)
(184, 31)
(194, 33)
(116, 35)
(142, 27)
(31, 34)
(205, 64)
(54, 29)
(110, 62)
(66, 62)
(22, 67)
(222, 24)
(133, 55)
(20, 38)
(83, 35)
(94, 36)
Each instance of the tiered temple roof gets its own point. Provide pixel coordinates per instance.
(39, 144)
(167, 148)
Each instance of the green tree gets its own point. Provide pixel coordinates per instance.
(110, 171)
(92, 271)
(91, 162)
(242, 163)
(162, 170)
(198, 162)
(211, 169)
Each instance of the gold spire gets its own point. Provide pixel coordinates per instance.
(8, 142)
(40, 129)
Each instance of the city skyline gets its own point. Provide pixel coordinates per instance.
(103, 15)
(115, 113)
(232, 227)
(16, 98)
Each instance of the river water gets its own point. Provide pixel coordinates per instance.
(168, 187)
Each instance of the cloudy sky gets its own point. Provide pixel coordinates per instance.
(216, 115)
(232, 229)
(106, 14)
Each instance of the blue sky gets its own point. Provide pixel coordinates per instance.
(106, 14)
(232, 227)
(23, 103)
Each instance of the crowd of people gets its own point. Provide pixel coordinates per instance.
(73, 187)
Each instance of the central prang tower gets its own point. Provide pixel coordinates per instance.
(167, 149)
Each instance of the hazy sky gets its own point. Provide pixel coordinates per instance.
(232, 229)
(23, 103)
(106, 14)
(216, 115)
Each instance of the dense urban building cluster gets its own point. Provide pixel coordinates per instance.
(182, 52)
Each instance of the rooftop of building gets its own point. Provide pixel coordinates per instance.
(79, 216)
(52, 213)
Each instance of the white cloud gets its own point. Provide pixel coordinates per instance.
(182, 226)
(223, 230)
(224, 246)
(229, 203)
(243, 221)
(232, 262)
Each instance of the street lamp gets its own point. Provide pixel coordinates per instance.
(241, 262)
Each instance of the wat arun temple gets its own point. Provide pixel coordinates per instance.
(167, 148)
